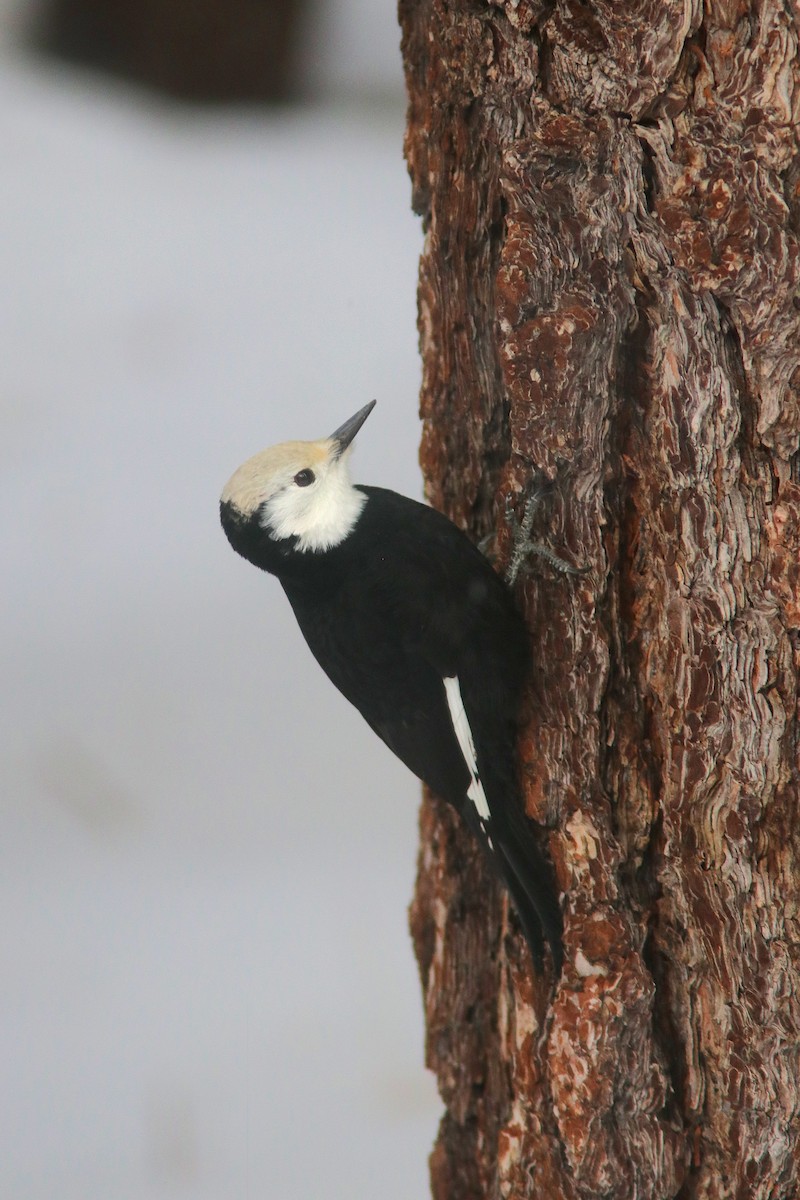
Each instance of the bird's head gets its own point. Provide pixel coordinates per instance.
(299, 490)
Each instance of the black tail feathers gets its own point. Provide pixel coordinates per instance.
(530, 883)
(510, 841)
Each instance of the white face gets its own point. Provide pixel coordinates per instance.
(306, 492)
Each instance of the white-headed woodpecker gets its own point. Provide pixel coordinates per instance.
(416, 629)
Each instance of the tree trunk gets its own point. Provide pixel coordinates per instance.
(609, 304)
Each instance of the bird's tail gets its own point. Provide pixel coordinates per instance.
(509, 841)
(531, 885)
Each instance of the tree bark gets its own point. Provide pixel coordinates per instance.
(608, 303)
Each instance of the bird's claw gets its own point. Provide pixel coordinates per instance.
(524, 546)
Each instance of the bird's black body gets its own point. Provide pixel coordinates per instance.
(404, 602)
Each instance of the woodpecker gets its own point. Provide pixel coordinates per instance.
(414, 626)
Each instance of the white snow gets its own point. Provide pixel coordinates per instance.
(207, 987)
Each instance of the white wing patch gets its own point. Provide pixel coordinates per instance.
(464, 735)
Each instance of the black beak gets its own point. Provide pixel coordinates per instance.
(344, 435)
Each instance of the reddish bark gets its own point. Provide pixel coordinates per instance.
(608, 300)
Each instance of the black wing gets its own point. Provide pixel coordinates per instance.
(414, 602)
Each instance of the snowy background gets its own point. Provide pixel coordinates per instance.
(207, 988)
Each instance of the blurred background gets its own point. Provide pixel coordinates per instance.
(206, 983)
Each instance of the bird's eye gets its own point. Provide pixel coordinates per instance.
(304, 478)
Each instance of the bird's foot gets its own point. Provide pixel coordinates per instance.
(523, 546)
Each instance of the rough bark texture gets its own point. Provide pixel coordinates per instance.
(609, 302)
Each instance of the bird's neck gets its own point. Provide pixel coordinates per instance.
(280, 556)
